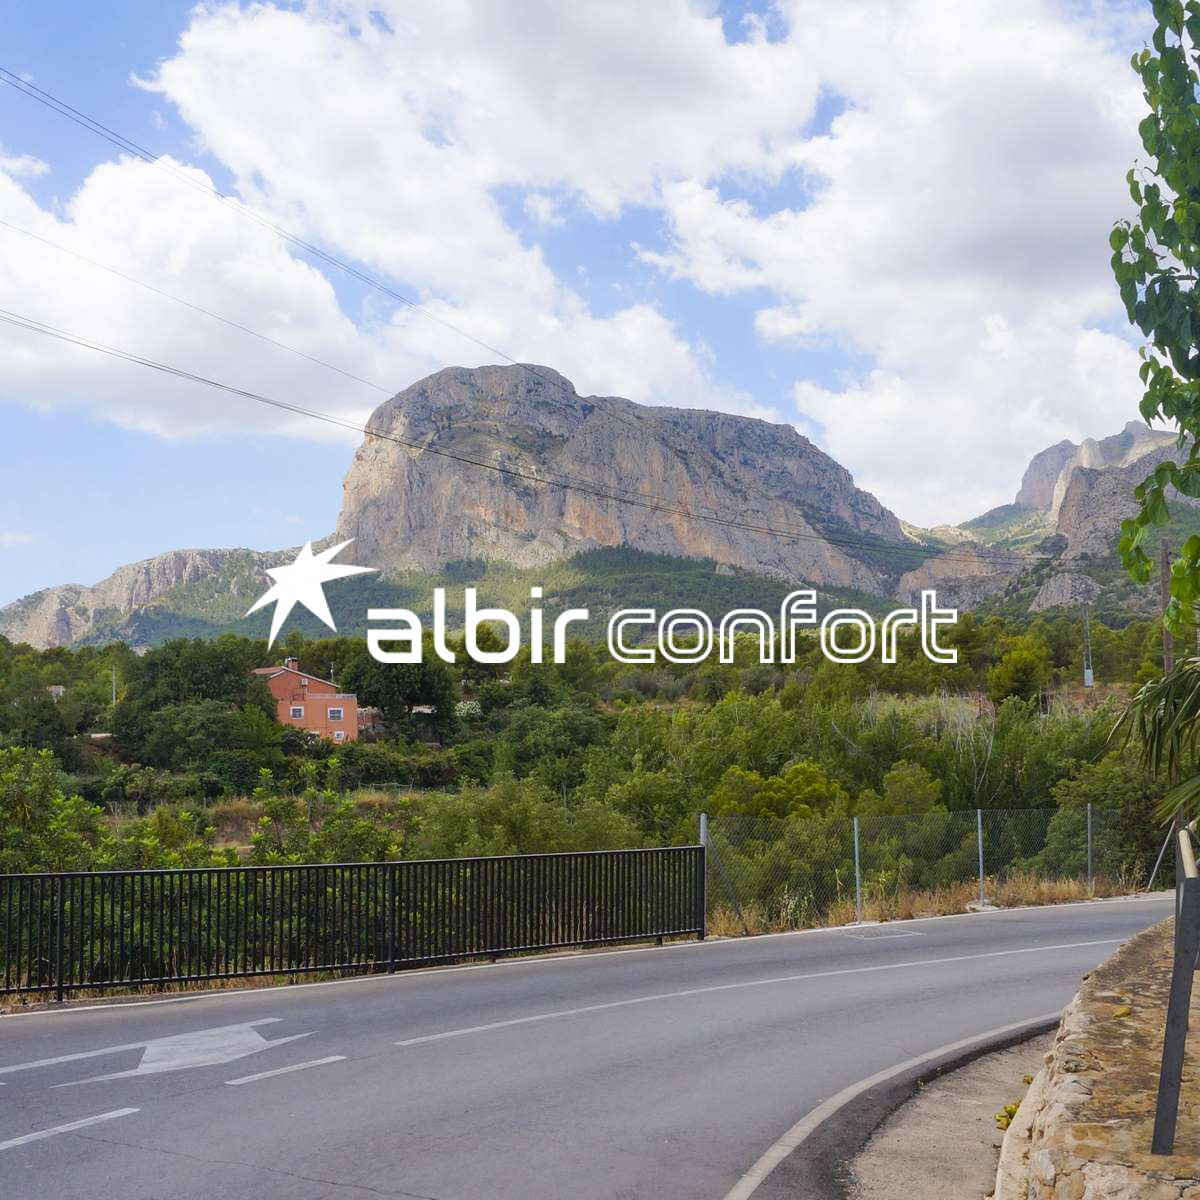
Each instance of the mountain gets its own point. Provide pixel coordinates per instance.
(460, 503)
(667, 507)
(1055, 544)
(1063, 476)
(228, 581)
(1041, 476)
(418, 509)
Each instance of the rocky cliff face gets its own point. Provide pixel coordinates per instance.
(1065, 589)
(1072, 500)
(1095, 500)
(1038, 482)
(1130, 448)
(962, 578)
(60, 615)
(414, 509)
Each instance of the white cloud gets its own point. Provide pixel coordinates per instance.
(597, 102)
(186, 245)
(952, 237)
(22, 166)
(955, 239)
(393, 161)
(543, 209)
(12, 537)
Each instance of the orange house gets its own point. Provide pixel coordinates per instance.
(311, 703)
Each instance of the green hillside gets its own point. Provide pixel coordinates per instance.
(601, 581)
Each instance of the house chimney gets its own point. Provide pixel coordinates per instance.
(293, 663)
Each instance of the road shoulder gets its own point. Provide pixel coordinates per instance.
(944, 1143)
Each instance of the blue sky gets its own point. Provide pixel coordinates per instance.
(727, 226)
(78, 485)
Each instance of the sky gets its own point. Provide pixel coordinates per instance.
(882, 221)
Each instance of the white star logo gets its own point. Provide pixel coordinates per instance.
(301, 584)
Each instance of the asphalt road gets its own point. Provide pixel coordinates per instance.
(657, 1073)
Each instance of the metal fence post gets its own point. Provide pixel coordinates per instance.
(1091, 872)
(858, 899)
(1187, 943)
(391, 917)
(703, 875)
(979, 840)
(59, 907)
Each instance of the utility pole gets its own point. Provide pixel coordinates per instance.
(1089, 677)
(114, 683)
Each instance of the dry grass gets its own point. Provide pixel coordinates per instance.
(905, 903)
(234, 820)
(119, 994)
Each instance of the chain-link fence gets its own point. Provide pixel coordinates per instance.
(767, 873)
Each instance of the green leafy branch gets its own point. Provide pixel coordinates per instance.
(1156, 262)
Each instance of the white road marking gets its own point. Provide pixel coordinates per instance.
(786, 1145)
(749, 983)
(316, 1062)
(65, 1058)
(70, 1127)
(205, 1048)
(881, 935)
(569, 956)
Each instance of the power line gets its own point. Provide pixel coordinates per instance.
(566, 482)
(128, 145)
(209, 313)
(149, 287)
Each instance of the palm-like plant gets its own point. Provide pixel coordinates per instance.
(1163, 718)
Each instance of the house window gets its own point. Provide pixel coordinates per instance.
(337, 714)
(297, 712)
(339, 735)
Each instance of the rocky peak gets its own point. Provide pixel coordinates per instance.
(1037, 484)
(412, 509)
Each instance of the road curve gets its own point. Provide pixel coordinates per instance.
(659, 1073)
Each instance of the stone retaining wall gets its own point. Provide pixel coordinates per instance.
(1083, 1130)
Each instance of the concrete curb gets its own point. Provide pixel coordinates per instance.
(815, 1166)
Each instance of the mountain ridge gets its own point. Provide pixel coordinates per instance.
(449, 475)
(1054, 545)
(468, 493)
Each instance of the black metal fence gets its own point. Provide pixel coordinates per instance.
(64, 932)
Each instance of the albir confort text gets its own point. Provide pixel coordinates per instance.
(680, 635)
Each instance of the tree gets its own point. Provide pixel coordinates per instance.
(395, 688)
(41, 829)
(907, 789)
(1156, 261)
(1023, 671)
(799, 791)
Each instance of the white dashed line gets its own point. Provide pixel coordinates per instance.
(749, 983)
(25, 1139)
(316, 1062)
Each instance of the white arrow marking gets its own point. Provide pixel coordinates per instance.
(65, 1058)
(202, 1048)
